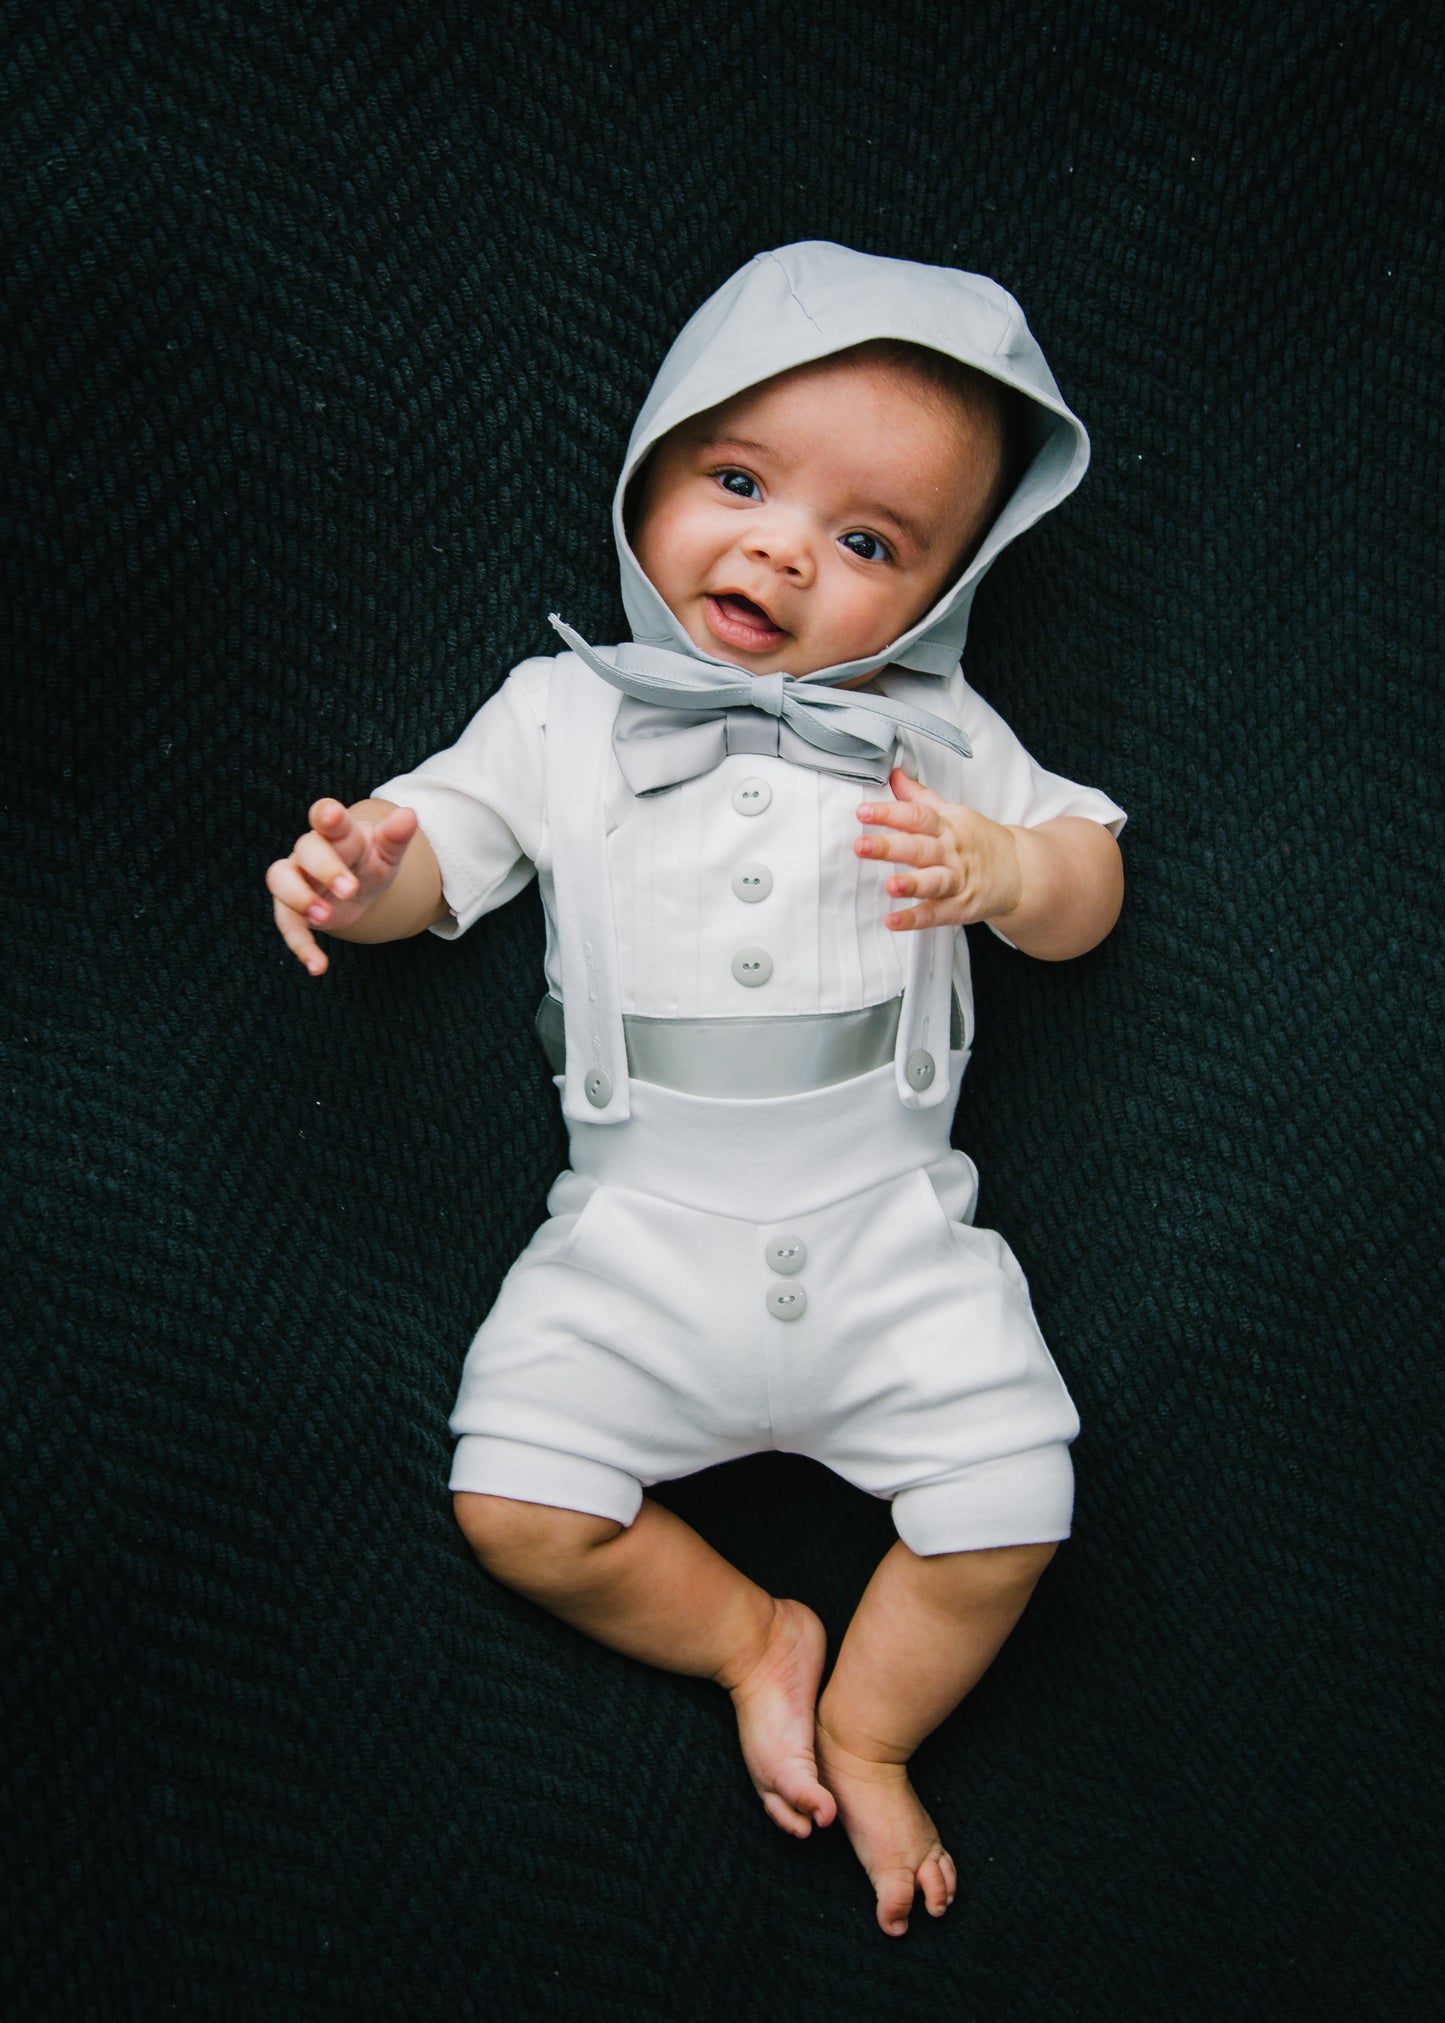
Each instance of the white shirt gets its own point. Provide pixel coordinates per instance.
(672, 856)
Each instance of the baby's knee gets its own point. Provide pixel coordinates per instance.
(523, 1543)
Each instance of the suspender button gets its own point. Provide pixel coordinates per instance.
(919, 1069)
(598, 1088)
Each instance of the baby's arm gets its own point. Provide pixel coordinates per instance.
(1054, 890)
(365, 873)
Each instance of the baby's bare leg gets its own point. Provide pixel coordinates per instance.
(925, 1632)
(659, 1592)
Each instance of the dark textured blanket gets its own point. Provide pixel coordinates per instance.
(323, 330)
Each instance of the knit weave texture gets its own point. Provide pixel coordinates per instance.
(323, 331)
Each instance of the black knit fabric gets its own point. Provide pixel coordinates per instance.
(323, 331)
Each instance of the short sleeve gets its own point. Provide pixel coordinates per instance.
(482, 801)
(1002, 780)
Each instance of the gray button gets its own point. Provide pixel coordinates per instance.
(598, 1085)
(752, 882)
(752, 966)
(787, 1302)
(919, 1069)
(786, 1254)
(750, 797)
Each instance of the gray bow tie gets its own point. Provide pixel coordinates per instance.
(680, 717)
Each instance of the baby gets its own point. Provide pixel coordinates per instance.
(764, 1237)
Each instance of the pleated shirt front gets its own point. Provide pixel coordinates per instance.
(687, 863)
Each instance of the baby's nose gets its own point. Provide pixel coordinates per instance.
(784, 540)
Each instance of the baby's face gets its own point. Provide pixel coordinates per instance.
(810, 520)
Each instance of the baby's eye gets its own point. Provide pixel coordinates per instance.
(737, 482)
(867, 547)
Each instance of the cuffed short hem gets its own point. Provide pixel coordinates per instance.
(1019, 1499)
(486, 1466)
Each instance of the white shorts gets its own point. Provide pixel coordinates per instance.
(634, 1340)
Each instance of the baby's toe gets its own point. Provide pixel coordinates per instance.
(820, 1803)
(933, 1880)
(802, 1801)
(786, 1816)
(895, 1899)
(950, 1874)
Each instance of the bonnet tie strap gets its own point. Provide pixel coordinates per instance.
(681, 717)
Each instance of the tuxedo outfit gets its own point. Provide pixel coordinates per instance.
(730, 1263)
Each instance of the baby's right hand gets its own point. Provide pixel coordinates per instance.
(334, 873)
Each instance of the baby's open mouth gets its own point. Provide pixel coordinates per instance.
(740, 622)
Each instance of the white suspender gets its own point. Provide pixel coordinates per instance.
(920, 1060)
(579, 756)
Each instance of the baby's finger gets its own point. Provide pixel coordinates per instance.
(917, 817)
(298, 938)
(286, 881)
(392, 834)
(934, 881)
(908, 789)
(900, 849)
(318, 858)
(330, 818)
(927, 913)
(340, 828)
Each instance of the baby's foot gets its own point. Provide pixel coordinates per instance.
(775, 1705)
(892, 1835)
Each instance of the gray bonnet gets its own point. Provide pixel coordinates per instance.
(803, 302)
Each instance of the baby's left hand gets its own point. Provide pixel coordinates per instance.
(967, 866)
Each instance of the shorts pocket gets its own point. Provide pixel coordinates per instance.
(980, 1312)
(576, 1241)
(985, 1246)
